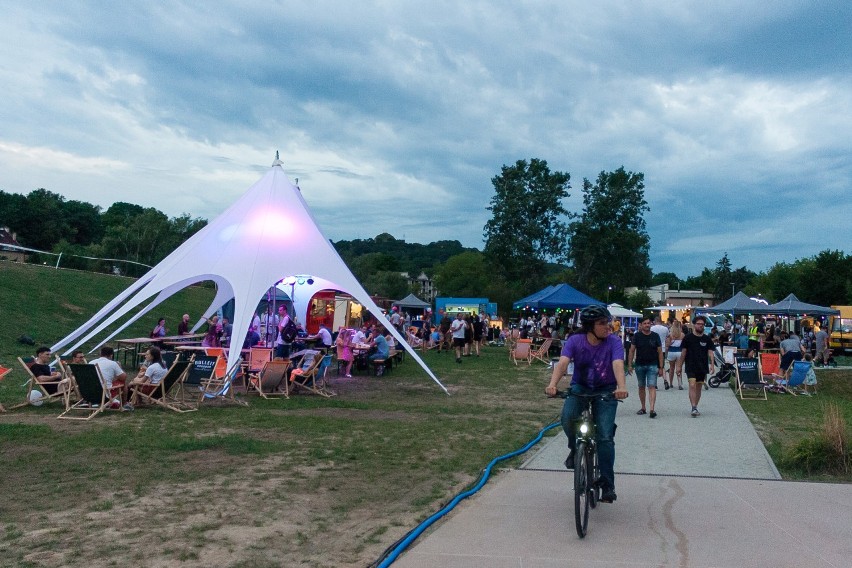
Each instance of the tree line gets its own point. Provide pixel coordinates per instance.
(531, 241)
(46, 221)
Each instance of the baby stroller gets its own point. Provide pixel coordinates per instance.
(724, 370)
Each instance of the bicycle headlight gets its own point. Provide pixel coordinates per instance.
(584, 428)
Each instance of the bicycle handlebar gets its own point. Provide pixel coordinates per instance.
(566, 394)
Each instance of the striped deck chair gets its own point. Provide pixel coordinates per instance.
(542, 353)
(221, 388)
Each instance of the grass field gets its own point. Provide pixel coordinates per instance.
(300, 482)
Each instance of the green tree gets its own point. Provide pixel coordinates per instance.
(463, 275)
(367, 265)
(526, 228)
(638, 301)
(724, 279)
(609, 245)
(669, 278)
(389, 284)
(825, 278)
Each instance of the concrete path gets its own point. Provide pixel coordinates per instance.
(693, 492)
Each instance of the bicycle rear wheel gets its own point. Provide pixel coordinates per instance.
(581, 489)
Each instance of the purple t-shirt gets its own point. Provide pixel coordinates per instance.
(593, 363)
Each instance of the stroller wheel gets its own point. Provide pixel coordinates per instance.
(714, 381)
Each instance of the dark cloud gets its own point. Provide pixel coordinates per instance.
(402, 113)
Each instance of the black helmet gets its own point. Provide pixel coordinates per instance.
(593, 313)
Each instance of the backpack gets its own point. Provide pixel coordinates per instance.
(289, 331)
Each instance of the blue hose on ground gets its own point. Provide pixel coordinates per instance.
(412, 536)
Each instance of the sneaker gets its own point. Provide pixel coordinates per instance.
(640, 412)
(127, 406)
(695, 413)
(668, 386)
(348, 376)
(653, 414)
(680, 387)
(458, 359)
(569, 461)
(608, 495)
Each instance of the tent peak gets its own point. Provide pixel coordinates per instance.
(278, 161)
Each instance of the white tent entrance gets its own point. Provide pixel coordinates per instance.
(266, 237)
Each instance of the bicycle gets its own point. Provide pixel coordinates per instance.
(587, 486)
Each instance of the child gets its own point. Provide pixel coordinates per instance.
(810, 378)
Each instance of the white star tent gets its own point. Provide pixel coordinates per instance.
(267, 236)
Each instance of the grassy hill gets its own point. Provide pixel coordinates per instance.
(47, 304)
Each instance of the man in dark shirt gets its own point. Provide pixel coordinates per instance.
(697, 353)
(183, 326)
(646, 356)
(42, 372)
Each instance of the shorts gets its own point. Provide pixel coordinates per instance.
(672, 355)
(788, 358)
(459, 342)
(753, 344)
(697, 376)
(647, 375)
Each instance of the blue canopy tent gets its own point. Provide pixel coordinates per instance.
(792, 306)
(562, 296)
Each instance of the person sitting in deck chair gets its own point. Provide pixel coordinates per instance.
(114, 376)
(43, 373)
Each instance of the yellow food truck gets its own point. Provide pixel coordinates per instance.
(840, 330)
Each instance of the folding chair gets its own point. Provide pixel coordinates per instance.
(258, 357)
(796, 375)
(62, 391)
(3, 372)
(521, 351)
(307, 376)
(749, 378)
(160, 394)
(269, 380)
(542, 353)
(770, 366)
(94, 395)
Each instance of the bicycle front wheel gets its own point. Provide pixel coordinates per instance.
(581, 490)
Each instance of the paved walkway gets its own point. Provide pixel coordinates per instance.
(693, 492)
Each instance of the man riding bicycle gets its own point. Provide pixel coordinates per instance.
(598, 360)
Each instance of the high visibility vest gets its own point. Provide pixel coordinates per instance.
(752, 333)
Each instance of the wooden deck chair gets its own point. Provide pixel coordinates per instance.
(522, 351)
(163, 393)
(61, 387)
(269, 381)
(796, 375)
(749, 378)
(221, 388)
(770, 366)
(3, 372)
(258, 358)
(94, 395)
(307, 376)
(542, 353)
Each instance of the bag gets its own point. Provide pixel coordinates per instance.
(289, 331)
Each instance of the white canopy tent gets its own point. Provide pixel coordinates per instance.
(267, 236)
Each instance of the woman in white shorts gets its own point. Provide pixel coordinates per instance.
(673, 342)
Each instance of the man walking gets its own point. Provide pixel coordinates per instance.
(646, 356)
(457, 328)
(697, 352)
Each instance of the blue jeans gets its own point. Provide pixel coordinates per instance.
(603, 413)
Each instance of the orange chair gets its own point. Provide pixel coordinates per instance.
(522, 351)
(770, 365)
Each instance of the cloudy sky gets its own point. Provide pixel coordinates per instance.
(396, 115)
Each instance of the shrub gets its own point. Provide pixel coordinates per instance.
(827, 451)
